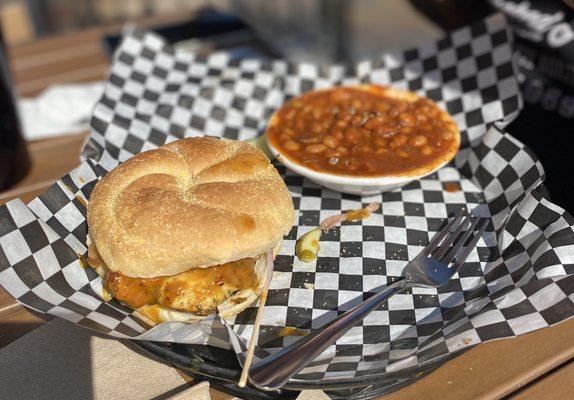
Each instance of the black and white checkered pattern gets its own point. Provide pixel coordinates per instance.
(519, 279)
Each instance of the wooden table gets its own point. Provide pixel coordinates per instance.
(539, 365)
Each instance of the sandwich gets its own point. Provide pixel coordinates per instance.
(181, 232)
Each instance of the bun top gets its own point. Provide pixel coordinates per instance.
(192, 203)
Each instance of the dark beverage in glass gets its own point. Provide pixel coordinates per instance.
(14, 161)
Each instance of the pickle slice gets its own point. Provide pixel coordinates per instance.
(307, 246)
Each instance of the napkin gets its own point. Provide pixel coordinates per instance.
(59, 110)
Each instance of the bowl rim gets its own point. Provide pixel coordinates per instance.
(348, 179)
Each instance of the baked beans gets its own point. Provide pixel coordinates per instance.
(363, 130)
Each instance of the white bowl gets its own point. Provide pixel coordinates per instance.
(363, 186)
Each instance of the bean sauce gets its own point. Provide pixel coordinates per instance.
(364, 131)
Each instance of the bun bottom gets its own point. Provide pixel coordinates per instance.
(156, 313)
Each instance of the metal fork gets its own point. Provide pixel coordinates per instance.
(433, 267)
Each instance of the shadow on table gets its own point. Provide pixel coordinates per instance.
(60, 360)
(53, 362)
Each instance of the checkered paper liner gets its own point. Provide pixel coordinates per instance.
(519, 278)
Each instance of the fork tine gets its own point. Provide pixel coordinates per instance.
(460, 241)
(444, 247)
(440, 235)
(461, 257)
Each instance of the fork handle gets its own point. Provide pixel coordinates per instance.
(274, 371)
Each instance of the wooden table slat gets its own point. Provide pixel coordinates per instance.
(16, 321)
(556, 386)
(494, 369)
(65, 70)
(50, 161)
(91, 35)
(89, 74)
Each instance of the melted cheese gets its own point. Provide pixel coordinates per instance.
(201, 290)
(198, 290)
(151, 312)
